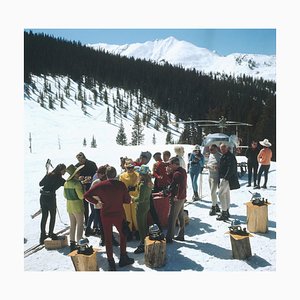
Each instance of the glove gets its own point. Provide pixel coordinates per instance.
(131, 188)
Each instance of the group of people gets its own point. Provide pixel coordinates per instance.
(255, 157)
(99, 197)
(122, 200)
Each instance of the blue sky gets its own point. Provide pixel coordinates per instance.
(224, 41)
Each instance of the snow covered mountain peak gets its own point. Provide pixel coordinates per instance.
(190, 56)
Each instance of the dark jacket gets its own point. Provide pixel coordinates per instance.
(51, 182)
(228, 170)
(89, 169)
(251, 154)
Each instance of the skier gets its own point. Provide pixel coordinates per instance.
(50, 183)
(86, 175)
(131, 178)
(264, 158)
(177, 190)
(111, 194)
(252, 163)
(213, 165)
(143, 204)
(195, 167)
(73, 192)
(228, 180)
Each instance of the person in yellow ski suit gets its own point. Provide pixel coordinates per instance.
(131, 180)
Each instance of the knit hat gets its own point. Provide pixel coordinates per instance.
(197, 147)
(72, 170)
(265, 143)
(143, 169)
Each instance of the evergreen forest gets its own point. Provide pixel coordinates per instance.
(188, 94)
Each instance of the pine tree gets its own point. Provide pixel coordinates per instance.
(50, 102)
(84, 142)
(108, 118)
(95, 93)
(121, 138)
(169, 139)
(93, 143)
(105, 97)
(137, 136)
(153, 139)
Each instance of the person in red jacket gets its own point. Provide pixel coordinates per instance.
(110, 195)
(177, 190)
(159, 172)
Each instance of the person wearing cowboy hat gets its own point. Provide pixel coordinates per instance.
(264, 159)
(73, 192)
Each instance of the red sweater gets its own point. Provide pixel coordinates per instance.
(112, 193)
(160, 174)
(179, 184)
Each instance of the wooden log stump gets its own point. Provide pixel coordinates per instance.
(82, 262)
(155, 253)
(61, 242)
(240, 245)
(257, 217)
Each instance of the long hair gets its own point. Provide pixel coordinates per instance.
(57, 170)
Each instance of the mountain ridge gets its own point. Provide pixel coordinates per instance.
(190, 56)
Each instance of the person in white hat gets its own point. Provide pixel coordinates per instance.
(264, 159)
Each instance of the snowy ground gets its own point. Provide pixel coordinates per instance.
(207, 246)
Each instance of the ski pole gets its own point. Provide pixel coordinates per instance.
(60, 216)
(36, 213)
